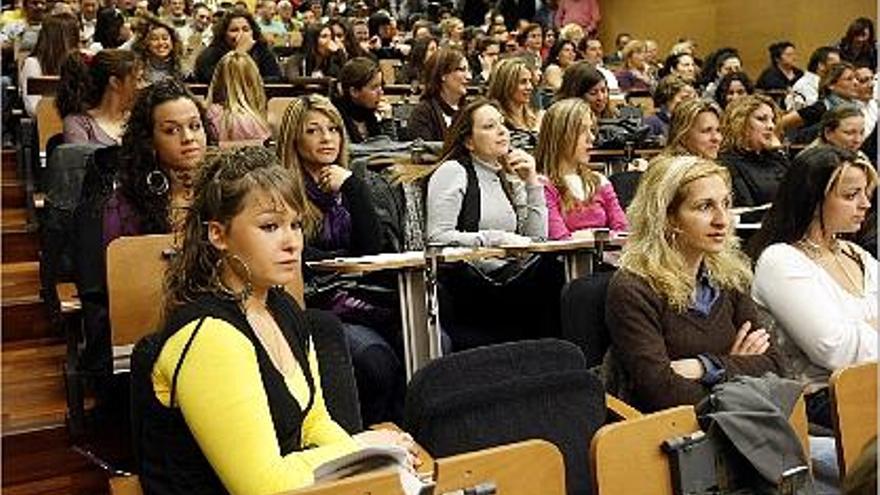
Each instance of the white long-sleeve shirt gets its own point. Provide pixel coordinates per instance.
(820, 326)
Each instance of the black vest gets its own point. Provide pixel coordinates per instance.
(171, 461)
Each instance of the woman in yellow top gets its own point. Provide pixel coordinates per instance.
(236, 404)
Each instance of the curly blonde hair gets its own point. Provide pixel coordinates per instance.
(650, 251)
(735, 121)
(292, 128)
(563, 123)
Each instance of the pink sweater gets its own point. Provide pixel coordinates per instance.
(603, 210)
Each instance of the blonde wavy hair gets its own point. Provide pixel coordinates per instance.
(684, 118)
(735, 121)
(238, 87)
(292, 128)
(563, 123)
(650, 251)
(503, 81)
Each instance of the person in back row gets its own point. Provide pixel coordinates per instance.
(820, 290)
(234, 402)
(678, 310)
(445, 80)
(578, 198)
(237, 101)
(237, 30)
(95, 95)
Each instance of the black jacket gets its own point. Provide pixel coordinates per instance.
(261, 53)
(756, 176)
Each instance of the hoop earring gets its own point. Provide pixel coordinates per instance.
(248, 288)
(157, 182)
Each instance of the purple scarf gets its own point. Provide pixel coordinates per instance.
(336, 232)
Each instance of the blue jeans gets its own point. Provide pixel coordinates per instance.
(379, 374)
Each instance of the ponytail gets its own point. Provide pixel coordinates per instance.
(85, 77)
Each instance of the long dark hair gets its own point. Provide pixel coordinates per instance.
(857, 27)
(108, 24)
(801, 195)
(58, 36)
(220, 189)
(85, 78)
(137, 156)
(726, 81)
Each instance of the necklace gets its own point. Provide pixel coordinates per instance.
(816, 252)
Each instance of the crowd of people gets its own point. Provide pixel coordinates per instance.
(693, 302)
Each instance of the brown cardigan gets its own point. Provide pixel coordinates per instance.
(426, 121)
(647, 334)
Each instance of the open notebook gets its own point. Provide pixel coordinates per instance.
(373, 458)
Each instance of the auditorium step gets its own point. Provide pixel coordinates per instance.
(21, 282)
(13, 193)
(33, 385)
(42, 462)
(15, 220)
(9, 164)
(20, 246)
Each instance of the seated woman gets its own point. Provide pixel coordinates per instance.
(159, 49)
(237, 101)
(163, 145)
(634, 75)
(161, 151)
(820, 290)
(362, 99)
(267, 428)
(838, 86)
(731, 87)
(681, 65)
(678, 311)
(59, 35)
(843, 126)
(511, 85)
(695, 129)
(482, 193)
(752, 152)
(578, 199)
(561, 56)
(422, 49)
(339, 219)
(582, 80)
(95, 95)
(671, 91)
(322, 55)
(238, 31)
(478, 146)
(445, 82)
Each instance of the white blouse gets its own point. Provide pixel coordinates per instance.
(819, 325)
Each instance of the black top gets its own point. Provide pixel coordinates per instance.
(366, 234)
(773, 78)
(171, 460)
(756, 176)
(353, 114)
(260, 52)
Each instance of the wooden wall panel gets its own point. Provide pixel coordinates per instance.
(749, 25)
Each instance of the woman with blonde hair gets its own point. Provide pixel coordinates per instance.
(511, 85)
(695, 129)
(752, 152)
(237, 101)
(339, 219)
(633, 76)
(678, 311)
(578, 199)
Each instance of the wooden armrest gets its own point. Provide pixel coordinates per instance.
(427, 466)
(370, 483)
(621, 409)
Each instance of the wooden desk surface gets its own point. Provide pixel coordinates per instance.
(406, 260)
(566, 245)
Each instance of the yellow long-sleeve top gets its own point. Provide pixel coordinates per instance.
(221, 395)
